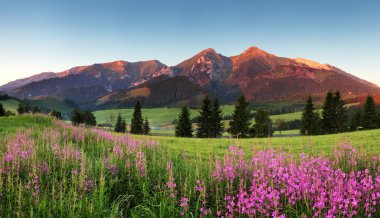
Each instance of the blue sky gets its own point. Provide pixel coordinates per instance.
(39, 36)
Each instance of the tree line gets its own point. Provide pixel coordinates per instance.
(334, 117)
(210, 125)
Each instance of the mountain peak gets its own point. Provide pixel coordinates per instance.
(255, 51)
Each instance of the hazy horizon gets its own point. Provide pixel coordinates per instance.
(53, 36)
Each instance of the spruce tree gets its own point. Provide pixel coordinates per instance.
(2, 110)
(137, 120)
(355, 120)
(241, 119)
(217, 126)
(341, 113)
(146, 127)
(369, 114)
(329, 115)
(263, 125)
(119, 124)
(123, 126)
(184, 127)
(310, 120)
(205, 119)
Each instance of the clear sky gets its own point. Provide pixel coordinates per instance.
(54, 35)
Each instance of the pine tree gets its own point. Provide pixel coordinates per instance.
(119, 124)
(205, 119)
(217, 126)
(241, 119)
(77, 117)
(355, 120)
(329, 115)
(310, 121)
(263, 125)
(146, 127)
(341, 113)
(2, 110)
(369, 114)
(137, 120)
(123, 126)
(184, 127)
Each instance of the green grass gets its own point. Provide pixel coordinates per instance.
(9, 125)
(10, 105)
(369, 141)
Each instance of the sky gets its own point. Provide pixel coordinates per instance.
(55, 35)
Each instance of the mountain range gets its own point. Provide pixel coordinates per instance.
(260, 76)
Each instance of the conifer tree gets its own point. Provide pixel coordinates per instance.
(241, 119)
(329, 115)
(146, 127)
(137, 121)
(369, 114)
(217, 126)
(184, 127)
(355, 120)
(310, 121)
(263, 125)
(205, 119)
(2, 110)
(123, 127)
(119, 124)
(341, 113)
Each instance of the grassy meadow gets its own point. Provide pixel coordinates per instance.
(52, 169)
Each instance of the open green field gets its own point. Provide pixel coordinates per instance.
(10, 105)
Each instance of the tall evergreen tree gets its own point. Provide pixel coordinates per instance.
(137, 120)
(184, 127)
(263, 125)
(205, 119)
(123, 127)
(217, 126)
(241, 119)
(341, 113)
(119, 124)
(310, 121)
(146, 127)
(329, 123)
(355, 120)
(77, 117)
(89, 118)
(2, 110)
(369, 114)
